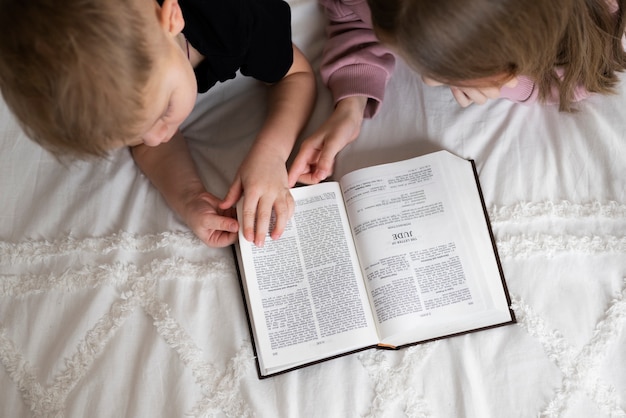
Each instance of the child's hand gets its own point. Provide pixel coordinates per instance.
(316, 159)
(262, 180)
(479, 94)
(214, 226)
(465, 96)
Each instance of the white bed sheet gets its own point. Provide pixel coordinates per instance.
(109, 306)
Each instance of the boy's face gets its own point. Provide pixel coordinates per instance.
(171, 92)
(170, 98)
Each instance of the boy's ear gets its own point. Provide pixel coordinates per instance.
(171, 17)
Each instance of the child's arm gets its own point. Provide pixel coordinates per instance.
(262, 177)
(172, 171)
(354, 61)
(356, 68)
(316, 158)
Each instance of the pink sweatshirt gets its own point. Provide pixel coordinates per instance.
(354, 63)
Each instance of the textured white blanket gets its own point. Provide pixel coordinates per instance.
(110, 307)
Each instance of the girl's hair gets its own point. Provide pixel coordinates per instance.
(73, 72)
(557, 43)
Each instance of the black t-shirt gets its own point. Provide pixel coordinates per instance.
(253, 36)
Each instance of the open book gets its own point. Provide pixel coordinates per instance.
(391, 255)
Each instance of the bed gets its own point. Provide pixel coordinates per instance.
(110, 307)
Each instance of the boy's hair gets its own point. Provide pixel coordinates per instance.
(73, 72)
(459, 40)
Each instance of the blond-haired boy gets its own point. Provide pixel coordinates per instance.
(84, 77)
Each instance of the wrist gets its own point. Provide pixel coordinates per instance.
(355, 105)
(268, 148)
(188, 197)
(351, 109)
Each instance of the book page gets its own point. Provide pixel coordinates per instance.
(424, 247)
(305, 291)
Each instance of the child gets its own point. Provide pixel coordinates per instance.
(524, 51)
(84, 77)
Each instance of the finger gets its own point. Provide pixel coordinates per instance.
(227, 224)
(229, 212)
(234, 194)
(215, 222)
(218, 231)
(220, 239)
(476, 96)
(224, 239)
(307, 178)
(326, 163)
(211, 199)
(283, 212)
(262, 220)
(249, 213)
(460, 97)
(300, 166)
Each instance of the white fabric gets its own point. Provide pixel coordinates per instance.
(109, 307)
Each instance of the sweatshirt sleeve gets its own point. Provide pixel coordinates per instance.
(526, 91)
(354, 63)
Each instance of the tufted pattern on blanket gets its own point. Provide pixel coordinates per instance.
(137, 299)
(110, 307)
